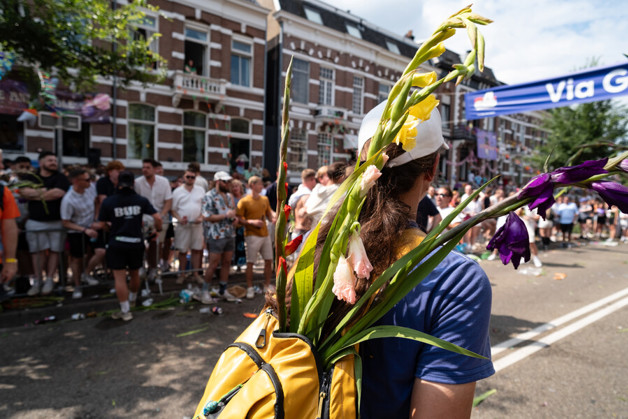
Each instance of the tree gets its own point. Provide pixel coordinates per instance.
(77, 40)
(584, 132)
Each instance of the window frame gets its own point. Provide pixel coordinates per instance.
(134, 121)
(358, 96)
(297, 74)
(241, 56)
(149, 31)
(326, 87)
(194, 128)
(205, 44)
(298, 146)
(321, 145)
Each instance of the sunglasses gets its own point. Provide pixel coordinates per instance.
(89, 179)
(442, 195)
(190, 177)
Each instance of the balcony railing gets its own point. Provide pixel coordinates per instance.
(463, 132)
(194, 85)
(329, 112)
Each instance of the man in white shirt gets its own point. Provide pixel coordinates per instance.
(443, 199)
(77, 216)
(157, 190)
(188, 232)
(308, 182)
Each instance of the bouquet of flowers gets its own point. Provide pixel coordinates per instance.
(314, 288)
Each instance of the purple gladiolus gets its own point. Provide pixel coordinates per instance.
(624, 165)
(542, 189)
(612, 193)
(575, 174)
(511, 241)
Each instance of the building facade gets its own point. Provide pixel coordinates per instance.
(210, 112)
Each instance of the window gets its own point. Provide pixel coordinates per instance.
(445, 115)
(195, 48)
(11, 133)
(358, 90)
(240, 145)
(144, 29)
(241, 63)
(382, 93)
(324, 149)
(392, 47)
(354, 30)
(326, 92)
(297, 154)
(300, 81)
(141, 137)
(194, 125)
(313, 16)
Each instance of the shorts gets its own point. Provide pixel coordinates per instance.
(531, 232)
(44, 235)
(258, 244)
(80, 243)
(125, 257)
(169, 231)
(188, 237)
(601, 220)
(545, 224)
(219, 246)
(566, 228)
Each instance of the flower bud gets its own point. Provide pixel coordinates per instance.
(358, 258)
(344, 282)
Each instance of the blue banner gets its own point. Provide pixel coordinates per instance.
(584, 86)
(487, 144)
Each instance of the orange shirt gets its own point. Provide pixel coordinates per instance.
(10, 206)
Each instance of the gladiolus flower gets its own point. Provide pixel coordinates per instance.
(357, 257)
(344, 282)
(286, 188)
(285, 166)
(511, 241)
(575, 174)
(612, 193)
(542, 189)
(293, 245)
(286, 210)
(624, 165)
(416, 114)
(424, 79)
(282, 265)
(369, 177)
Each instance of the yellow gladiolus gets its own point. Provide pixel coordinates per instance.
(423, 79)
(416, 114)
(423, 109)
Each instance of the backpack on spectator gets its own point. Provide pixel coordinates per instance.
(266, 374)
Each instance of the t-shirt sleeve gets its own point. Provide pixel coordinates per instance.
(240, 208)
(460, 314)
(10, 206)
(66, 209)
(207, 206)
(147, 207)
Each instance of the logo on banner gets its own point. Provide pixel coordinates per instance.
(488, 101)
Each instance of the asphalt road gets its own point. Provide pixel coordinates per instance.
(157, 365)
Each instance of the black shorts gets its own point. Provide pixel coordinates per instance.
(79, 244)
(601, 220)
(125, 257)
(566, 228)
(170, 231)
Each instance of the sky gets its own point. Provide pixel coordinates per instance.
(528, 40)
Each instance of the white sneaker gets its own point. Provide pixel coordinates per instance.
(77, 294)
(492, 256)
(537, 262)
(250, 293)
(206, 298)
(228, 296)
(48, 286)
(34, 290)
(119, 315)
(88, 279)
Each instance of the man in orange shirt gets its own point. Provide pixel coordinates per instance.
(8, 213)
(252, 212)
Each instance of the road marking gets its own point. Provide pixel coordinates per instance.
(528, 350)
(531, 334)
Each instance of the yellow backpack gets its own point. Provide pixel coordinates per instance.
(267, 374)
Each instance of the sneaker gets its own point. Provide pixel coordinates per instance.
(34, 289)
(48, 286)
(493, 256)
(89, 280)
(250, 293)
(206, 298)
(226, 295)
(119, 315)
(77, 294)
(537, 262)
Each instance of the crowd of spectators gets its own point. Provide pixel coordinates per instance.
(217, 226)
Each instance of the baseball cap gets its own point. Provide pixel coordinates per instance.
(221, 175)
(429, 136)
(126, 179)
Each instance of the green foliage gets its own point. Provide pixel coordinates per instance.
(77, 40)
(589, 131)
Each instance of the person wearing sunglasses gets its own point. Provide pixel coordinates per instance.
(188, 232)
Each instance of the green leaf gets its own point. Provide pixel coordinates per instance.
(379, 332)
(483, 396)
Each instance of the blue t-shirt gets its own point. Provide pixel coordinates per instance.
(452, 303)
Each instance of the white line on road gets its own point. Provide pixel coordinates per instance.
(528, 350)
(531, 334)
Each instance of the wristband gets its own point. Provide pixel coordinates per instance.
(10, 260)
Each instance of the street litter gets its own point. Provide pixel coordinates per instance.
(250, 315)
(192, 332)
(78, 316)
(559, 276)
(47, 319)
(530, 271)
(147, 303)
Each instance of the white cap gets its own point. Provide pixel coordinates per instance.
(429, 136)
(221, 175)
